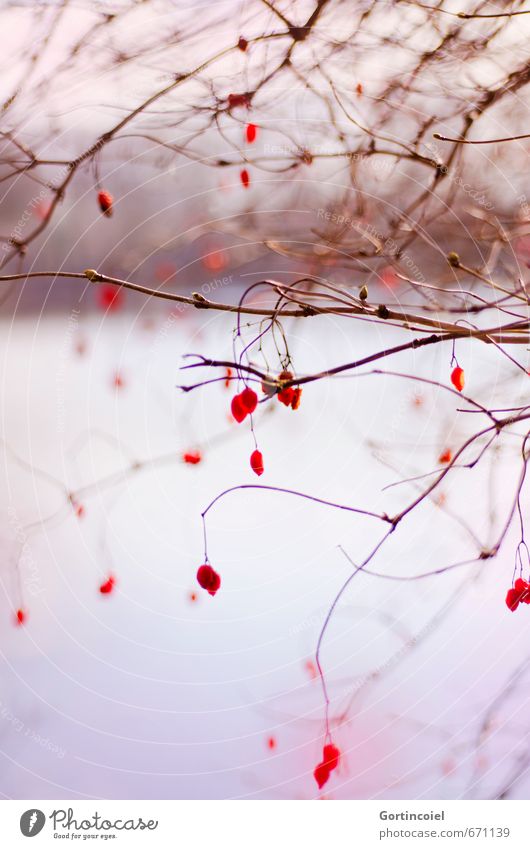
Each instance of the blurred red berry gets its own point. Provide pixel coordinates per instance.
(105, 200)
(228, 374)
(208, 578)
(242, 43)
(251, 132)
(331, 756)
(107, 586)
(445, 456)
(192, 457)
(321, 773)
(245, 178)
(109, 297)
(20, 616)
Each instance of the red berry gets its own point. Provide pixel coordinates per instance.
(105, 200)
(271, 743)
(20, 616)
(208, 578)
(297, 396)
(520, 592)
(249, 399)
(239, 411)
(321, 773)
(251, 133)
(331, 756)
(107, 586)
(445, 456)
(109, 297)
(242, 43)
(227, 378)
(457, 378)
(256, 462)
(286, 396)
(245, 178)
(192, 457)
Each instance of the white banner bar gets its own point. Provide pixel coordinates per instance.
(266, 824)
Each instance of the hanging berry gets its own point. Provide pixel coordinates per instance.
(251, 132)
(208, 578)
(445, 456)
(20, 616)
(192, 457)
(239, 411)
(105, 201)
(286, 396)
(457, 378)
(271, 743)
(249, 399)
(297, 397)
(520, 592)
(321, 773)
(107, 586)
(245, 178)
(256, 462)
(330, 761)
(242, 43)
(331, 756)
(228, 375)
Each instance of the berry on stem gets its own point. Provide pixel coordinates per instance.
(446, 456)
(256, 462)
(208, 578)
(520, 592)
(239, 411)
(249, 399)
(457, 378)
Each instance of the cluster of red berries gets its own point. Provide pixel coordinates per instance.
(291, 395)
(330, 761)
(208, 578)
(520, 592)
(244, 404)
(105, 201)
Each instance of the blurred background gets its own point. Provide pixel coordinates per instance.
(157, 690)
